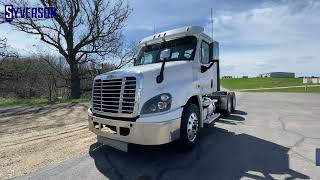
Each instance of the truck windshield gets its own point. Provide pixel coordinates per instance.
(181, 49)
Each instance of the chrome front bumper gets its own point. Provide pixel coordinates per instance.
(144, 133)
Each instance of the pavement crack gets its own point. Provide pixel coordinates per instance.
(302, 156)
(297, 143)
(283, 128)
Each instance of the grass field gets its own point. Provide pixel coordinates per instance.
(256, 83)
(15, 102)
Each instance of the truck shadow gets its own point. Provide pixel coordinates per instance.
(239, 112)
(220, 154)
(234, 118)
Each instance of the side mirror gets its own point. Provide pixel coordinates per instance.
(165, 54)
(134, 61)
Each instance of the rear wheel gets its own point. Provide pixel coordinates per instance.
(189, 126)
(233, 102)
(229, 107)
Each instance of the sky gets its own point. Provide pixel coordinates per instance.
(255, 36)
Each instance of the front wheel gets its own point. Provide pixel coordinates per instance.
(189, 126)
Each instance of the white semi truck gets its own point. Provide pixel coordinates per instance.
(169, 94)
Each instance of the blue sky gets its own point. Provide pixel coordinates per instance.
(255, 36)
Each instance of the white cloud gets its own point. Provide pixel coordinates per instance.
(255, 36)
(271, 37)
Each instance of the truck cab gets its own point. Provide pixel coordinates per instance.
(169, 94)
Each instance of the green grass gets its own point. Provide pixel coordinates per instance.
(315, 89)
(254, 83)
(15, 102)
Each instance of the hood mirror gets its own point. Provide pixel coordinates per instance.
(135, 61)
(164, 56)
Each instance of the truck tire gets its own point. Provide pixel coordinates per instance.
(234, 102)
(228, 110)
(189, 128)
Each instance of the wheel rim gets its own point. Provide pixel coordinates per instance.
(192, 127)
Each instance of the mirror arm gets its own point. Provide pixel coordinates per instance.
(205, 68)
(160, 76)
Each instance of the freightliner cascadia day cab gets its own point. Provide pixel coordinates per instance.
(169, 94)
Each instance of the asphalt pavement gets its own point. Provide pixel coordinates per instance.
(270, 136)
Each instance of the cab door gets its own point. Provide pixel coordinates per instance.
(206, 78)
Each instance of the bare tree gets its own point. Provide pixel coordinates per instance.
(4, 52)
(125, 56)
(81, 30)
(3, 46)
(1, 17)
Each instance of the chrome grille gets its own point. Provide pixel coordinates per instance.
(114, 95)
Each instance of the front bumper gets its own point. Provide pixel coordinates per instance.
(144, 133)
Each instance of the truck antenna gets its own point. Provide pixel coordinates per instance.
(211, 24)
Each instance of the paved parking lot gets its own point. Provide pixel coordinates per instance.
(270, 136)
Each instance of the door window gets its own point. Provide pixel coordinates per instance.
(204, 53)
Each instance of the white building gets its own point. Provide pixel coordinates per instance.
(309, 80)
(278, 75)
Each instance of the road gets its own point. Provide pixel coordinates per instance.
(32, 137)
(270, 136)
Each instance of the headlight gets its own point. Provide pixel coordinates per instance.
(157, 104)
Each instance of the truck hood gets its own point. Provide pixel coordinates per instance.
(150, 71)
(178, 80)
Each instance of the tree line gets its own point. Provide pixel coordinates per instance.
(39, 76)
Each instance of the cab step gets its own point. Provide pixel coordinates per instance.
(212, 118)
